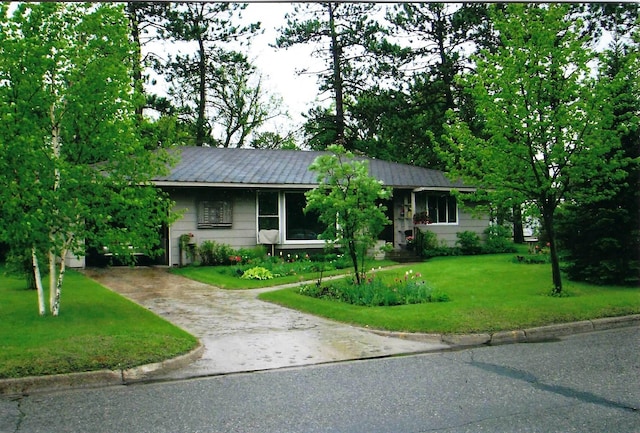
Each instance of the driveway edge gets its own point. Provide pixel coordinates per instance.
(94, 379)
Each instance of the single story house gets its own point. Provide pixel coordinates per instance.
(246, 197)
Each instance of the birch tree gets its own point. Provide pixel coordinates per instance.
(68, 146)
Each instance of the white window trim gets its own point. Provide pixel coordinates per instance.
(258, 216)
(282, 221)
(413, 206)
(283, 224)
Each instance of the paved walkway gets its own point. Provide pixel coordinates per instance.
(241, 333)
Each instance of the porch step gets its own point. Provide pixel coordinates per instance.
(403, 256)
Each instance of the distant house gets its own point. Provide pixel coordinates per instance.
(245, 197)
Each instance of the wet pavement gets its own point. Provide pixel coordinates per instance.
(241, 333)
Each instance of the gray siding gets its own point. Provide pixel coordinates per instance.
(241, 234)
(447, 233)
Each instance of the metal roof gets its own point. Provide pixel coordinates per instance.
(277, 168)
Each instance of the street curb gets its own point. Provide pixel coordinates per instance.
(100, 378)
(528, 335)
(144, 372)
(93, 379)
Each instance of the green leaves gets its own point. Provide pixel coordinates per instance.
(73, 165)
(545, 118)
(347, 200)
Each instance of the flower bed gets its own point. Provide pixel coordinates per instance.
(375, 292)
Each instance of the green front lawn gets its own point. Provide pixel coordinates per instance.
(488, 293)
(97, 329)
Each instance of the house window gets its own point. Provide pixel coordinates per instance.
(439, 208)
(268, 211)
(214, 214)
(300, 226)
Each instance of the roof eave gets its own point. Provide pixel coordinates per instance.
(195, 184)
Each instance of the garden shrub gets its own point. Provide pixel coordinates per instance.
(427, 245)
(374, 292)
(257, 273)
(212, 253)
(498, 240)
(469, 243)
(255, 254)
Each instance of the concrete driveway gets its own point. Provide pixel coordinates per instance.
(241, 333)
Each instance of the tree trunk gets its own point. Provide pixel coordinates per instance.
(202, 93)
(52, 280)
(518, 229)
(445, 64)
(354, 259)
(336, 51)
(56, 290)
(38, 280)
(137, 60)
(553, 250)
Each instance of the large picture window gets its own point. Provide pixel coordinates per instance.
(300, 226)
(214, 214)
(434, 208)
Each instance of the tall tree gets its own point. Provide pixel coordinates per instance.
(441, 36)
(347, 200)
(191, 75)
(145, 19)
(405, 121)
(601, 239)
(546, 121)
(239, 100)
(346, 37)
(72, 166)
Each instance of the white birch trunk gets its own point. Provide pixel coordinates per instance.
(52, 280)
(54, 287)
(57, 288)
(38, 278)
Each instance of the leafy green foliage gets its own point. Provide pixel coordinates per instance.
(346, 200)
(257, 273)
(544, 117)
(344, 31)
(404, 121)
(211, 84)
(498, 240)
(67, 131)
(212, 253)
(601, 239)
(469, 242)
(427, 245)
(374, 292)
(532, 259)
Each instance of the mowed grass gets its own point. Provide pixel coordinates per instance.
(96, 329)
(488, 293)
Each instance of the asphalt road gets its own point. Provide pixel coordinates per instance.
(583, 383)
